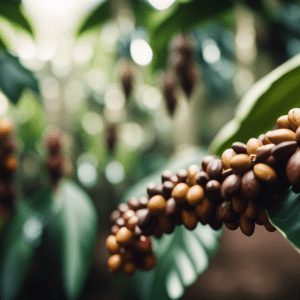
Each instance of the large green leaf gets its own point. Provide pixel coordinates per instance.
(285, 216)
(75, 233)
(271, 97)
(181, 16)
(21, 240)
(14, 78)
(184, 254)
(13, 13)
(96, 18)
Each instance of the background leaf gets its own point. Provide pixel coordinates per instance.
(181, 256)
(13, 13)
(76, 227)
(271, 97)
(20, 242)
(285, 216)
(14, 78)
(96, 18)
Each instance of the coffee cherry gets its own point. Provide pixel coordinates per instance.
(204, 209)
(189, 219)
(262, 218)
(247, 226)
(251, 187)
(213, 189)
(206, 160)
(283, 122)
(281, 135)
(157, 205)
(149, 262)
(294, 118)
(129, 268)
(143, 202)
(226, 157)
(195, 195)
(122, 207)
(192, 171)
(134, 203)
(166, 224)
(114, 229)
(239, 204)
(269, 227)
(112, 245)
(253, 145)
(293, 169)
(115, 263)
(231, 186)
(202, 178)
(179, 192)
(240, 163)
(128, 214)
(144, 218)
(124, 237)
(265, 173)
(284, 150)
(143, 245)
(239, 148)
(250, 212)
(10, 164)
(166, 175)
(233, 225)
(214, 169)
(225, 212)
(182, 175)
(263, 153)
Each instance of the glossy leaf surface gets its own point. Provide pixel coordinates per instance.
(271, 97)
(75, 233)
(21, 240)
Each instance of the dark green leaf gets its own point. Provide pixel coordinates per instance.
(182, 16)
(3, 45)
(76, 227)
(181, 256)
(271, 97)
(21, 239)
(13, 13)
(14, 78)
(96, 18)
(285, 216)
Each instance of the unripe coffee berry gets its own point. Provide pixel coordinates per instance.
(157, 205)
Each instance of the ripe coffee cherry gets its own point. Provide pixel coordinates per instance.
(157, 205)
(124, 237)
(111, 244)
(179, 192)
(115, 263)
(129, 268)
(148, 262)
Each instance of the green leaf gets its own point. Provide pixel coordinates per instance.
(21, 240)
(76, 228)
(96, 18)
(13, 13)
(285, 216)
(268, 99)
(181, 17)
(14, 78)
(3, 45)
(181, 256)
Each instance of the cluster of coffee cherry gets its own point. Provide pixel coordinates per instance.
(233, 190)
(55, 162)
(8, 166)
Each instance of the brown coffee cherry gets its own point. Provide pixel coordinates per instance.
(247, 226)
(263, 153)
(294, 118)
(168, 187)
(149, 262)
(158, 232)
(127, 254)
(226, 173)
(182, 175)
(250, 212)
(189, 219)
(151, 189)
(115, 263)
(202, 178)
(213, 189)
(240, 163)
(129, 268)
(283, 122)
(137, 231)
(239, 204)
(271, 161)
(252, 146)
(122, 207)
(120, 222)
(239, 148)
(144, 218)
(231, 186)
(262, 218)
(269, 227)
(204, 209)
(151, 228)
(6, 127)
(111, 244)
(132, 222)
(128, 214)
(225, 212)
(174, 179)
(226, 157)
(166, 175)
(284, 150)
(179, 192)
(214, 169)
(124, 237)
(134, 203)
(166, 224)
(281, 135)
(143, 202)
(172, 207)
(206, 160)
(298, 135)
(192, 171)
(293, 169)
(233, 225)
(157, 205)
(251, 187)
(114, 229)
(265, 173)
(195, 195)
(116, 214)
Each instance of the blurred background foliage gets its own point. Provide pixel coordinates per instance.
(98, 70)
